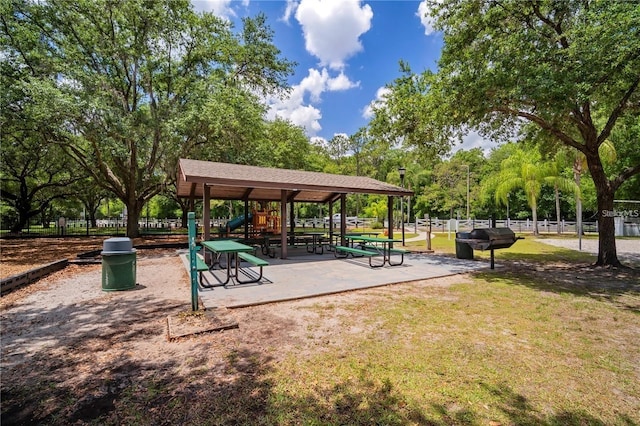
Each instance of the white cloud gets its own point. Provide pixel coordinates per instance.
(294, 110)
(220, 8)
(332, 29)
(380, 100)
(426, 20)
(306, 116)
(292, 5)
(474, 140)
(340, 83)
(296, 107)
(315, 83)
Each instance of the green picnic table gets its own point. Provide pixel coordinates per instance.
(234, 252)
(375, 245)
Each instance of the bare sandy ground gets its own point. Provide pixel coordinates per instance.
(64, 338)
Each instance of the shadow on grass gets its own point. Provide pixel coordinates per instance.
(519, 411)
(70, 364)
(619, 286)
(539, 254)
(239, 390)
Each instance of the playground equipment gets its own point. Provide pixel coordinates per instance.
(235, 223)
(262, 220)
(266, 220)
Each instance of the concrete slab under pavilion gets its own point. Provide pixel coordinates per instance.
(310, 275)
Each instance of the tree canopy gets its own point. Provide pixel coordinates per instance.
(570, 68)
(136, 81)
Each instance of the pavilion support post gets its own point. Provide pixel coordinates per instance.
(292, 223)
(343, 218)
(331, 220)
(206, 212)
(283, 223)
(206, 217)
(246, 219)
(390, 218)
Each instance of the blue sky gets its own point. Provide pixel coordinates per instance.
(346, 51)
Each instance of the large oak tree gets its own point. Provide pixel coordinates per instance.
(571, 68)
(130, 72)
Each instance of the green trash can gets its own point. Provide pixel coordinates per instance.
(463, 250)
(118, 264)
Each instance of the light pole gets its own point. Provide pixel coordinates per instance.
(468, 172)
(402, 171)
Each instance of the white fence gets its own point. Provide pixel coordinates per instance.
(544, 225)
(445, 225)
(437, 224)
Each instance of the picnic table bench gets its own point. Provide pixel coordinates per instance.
(316, 244)
(255, 261)
(393, 250)
(355, 251)
(201, 265)
(376, 245)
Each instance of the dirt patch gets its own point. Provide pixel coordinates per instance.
(21, 255)
(71, 350)
(73, 354)
(191, 323)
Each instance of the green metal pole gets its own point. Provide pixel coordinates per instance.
(192, 260)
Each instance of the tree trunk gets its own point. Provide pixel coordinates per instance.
(534, 213)
(20, 223)
(134, 209)
(607, 255)
(91, 207)
(24, 216)
(184, 217)
(23, 208)
(186, 205)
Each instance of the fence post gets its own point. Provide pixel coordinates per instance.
(429, 233)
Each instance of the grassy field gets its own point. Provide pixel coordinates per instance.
(506, 348)
(520, 345)
(526, 249)
(488, 352)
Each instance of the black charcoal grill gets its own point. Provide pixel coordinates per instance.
(488, 239)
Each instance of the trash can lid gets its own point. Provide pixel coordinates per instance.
(117, 245)
(108, 253)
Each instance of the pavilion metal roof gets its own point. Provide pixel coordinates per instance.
(240, 182)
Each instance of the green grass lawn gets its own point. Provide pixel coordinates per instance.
(501, 349)
(474, 354)
(527, 249)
